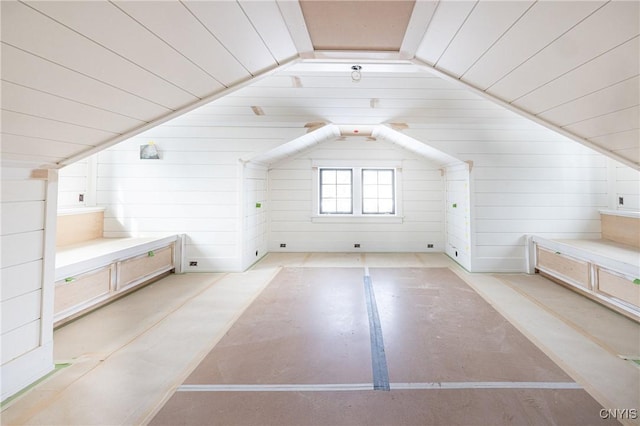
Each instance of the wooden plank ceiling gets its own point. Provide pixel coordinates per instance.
(80, 76)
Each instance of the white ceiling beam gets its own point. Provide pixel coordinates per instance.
(444, 75)
(294, 19)
(423, 11)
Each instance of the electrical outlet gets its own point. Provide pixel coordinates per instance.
(429, 245)
(282, 245)
(621, 201)
(356, 245)
(193, 263)
(80, 198)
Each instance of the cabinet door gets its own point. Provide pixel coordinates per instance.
(145, 266)
(573, 270)
(80, 292)
(618, 286)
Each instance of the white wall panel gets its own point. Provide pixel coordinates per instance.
(268, 21)
(21, 217)
(458, 214)
(63, 46)
(34, 102)
(446, 22)
(37, 127)
(614, 130)
(291, 193)
(20, 310)
(26, 279)
(613, 24)
(486, 23)
(225, 20)
(20, 340)
(96, 20)
(21, 279)
(517, 45)
(619, 64)
(625, 94)
(28, 70)
(21, 248)
(173, 23)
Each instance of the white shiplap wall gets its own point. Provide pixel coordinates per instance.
(626, 183)
(524, 183)
(458, 214)
(255, 214)
(195, 188)
(291, 203)
(27, 240)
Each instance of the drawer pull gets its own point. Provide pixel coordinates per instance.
(636, 281)
(151, 253)
(69, 280)
(558, 252)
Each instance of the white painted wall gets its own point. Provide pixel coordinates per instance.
(27, 240)
(458, 214)
(291, 203)
(625, 184)
(538, 183)
(197, 188)
(255, 213)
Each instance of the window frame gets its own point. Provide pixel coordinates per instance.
(320, 191)
(357, 198)
(393, 191)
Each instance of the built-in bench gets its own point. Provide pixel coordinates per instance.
(606, 270)
(92, 270)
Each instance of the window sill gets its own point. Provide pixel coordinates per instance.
(356, 219)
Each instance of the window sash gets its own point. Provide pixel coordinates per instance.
(335, 191)
(378, 192)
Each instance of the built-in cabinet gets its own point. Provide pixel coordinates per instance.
(606, 270)
(93, 271)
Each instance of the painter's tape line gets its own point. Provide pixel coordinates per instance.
(369, 387)
(277, 388)
(487, 385)
(378, 357)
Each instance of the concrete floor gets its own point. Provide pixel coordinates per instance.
(127, 359)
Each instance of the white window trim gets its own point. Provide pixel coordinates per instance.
(356, 216)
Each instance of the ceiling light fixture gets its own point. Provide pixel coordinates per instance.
(356, 75)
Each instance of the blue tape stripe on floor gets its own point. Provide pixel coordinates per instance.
(378, 357)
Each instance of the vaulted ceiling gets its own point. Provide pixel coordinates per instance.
(78, 77)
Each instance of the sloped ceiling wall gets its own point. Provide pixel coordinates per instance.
(80, 76)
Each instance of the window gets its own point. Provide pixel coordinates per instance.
(336, 191)
(356, 191)
(378, 191)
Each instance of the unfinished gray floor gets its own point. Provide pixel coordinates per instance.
(129, 357)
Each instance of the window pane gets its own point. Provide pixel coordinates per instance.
(370, 191)
(385, 191)
(336, 191)
(385, 177)
(385, 206)
(378, 195)
(328, 191)
(328, 205)
(369, 177)
(343, 176)
(370, 206)
(343, 191)
(344, 206)
(328, 176)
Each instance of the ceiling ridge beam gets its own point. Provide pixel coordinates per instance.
(174, 114)
(570, 135)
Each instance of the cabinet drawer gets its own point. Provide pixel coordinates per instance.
(618, 287)
(145, 265)
(81, 289)
(563, 266)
